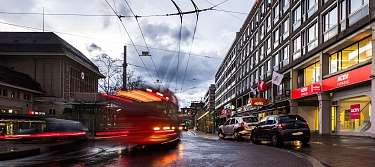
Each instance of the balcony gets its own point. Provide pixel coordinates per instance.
(359, 14)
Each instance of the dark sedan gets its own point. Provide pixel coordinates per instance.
(280, 128)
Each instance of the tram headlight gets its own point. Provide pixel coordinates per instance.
(180, 128)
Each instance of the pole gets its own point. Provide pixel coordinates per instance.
(124, 70)
(43, 19)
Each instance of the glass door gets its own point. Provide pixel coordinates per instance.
(333, 119)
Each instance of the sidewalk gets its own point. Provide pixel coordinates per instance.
(17, 149)
(342, 151)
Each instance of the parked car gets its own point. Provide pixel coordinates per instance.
(280, 128)
(238, 127)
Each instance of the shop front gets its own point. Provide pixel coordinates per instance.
(306, 97)
(351, 101)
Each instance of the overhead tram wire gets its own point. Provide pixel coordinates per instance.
(87, 37)
(179, 42)
(208, 1)
(131, 40)
(143, 37)
(192, 43)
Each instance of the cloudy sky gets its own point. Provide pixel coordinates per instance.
(94, 35)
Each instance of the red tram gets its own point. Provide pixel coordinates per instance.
(142, 116)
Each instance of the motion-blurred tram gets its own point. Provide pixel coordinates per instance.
(142, 116)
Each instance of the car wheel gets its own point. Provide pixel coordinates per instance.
(236, 136)
(221, 134)
(276, 141)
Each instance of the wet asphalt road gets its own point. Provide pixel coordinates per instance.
(191, 151)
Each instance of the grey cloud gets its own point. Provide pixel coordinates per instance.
(93, 47)
(156, 32)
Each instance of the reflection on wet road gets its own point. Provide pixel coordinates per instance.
(192, 151)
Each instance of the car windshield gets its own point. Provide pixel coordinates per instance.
(291, 118)
(250, 119)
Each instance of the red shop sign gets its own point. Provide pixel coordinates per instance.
(354, 111)
(349, 78)
(308, 90)
(257, 101)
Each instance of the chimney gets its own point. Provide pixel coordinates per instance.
(124, 65)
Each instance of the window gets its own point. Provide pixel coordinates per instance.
(262, 31)
(262, 72)
(286, 55)
(312, 37)
(276, 14)
(256, 58)
(311, 7)
(358, 10)
(276, 38)
(269, 67)
(268, 23)
(285, 28)
(285, 5)
(352, 55)
(268, 45)
(330, 24)
(276, 62)
(356, 5)
(309, 75)
(297, 48)
(297, 17)
(261, 53)
(256, 39)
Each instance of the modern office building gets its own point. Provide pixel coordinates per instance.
(324, 50)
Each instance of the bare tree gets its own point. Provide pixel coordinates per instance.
(112, 70)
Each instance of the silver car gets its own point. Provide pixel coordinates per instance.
(238, 127)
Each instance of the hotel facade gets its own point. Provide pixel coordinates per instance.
(324, 50)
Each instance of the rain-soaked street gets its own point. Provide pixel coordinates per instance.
(193, 150)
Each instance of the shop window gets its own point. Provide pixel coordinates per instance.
(333, 65)
(309, 75)
(355, 114)
(350, 56)
(365, 49)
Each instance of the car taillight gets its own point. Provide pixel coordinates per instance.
(281, 126)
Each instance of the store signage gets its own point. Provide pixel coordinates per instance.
(225, 113)
(308, 90)
(262, 86)
(349, 78)
(355, 111)
(257, 101)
